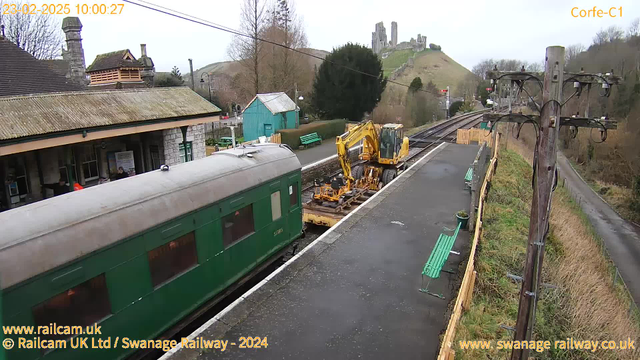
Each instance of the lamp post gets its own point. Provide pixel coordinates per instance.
(208, 83)
(297, 97)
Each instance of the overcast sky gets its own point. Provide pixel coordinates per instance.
(468, 31)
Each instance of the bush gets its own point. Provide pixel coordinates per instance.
(433, 46)
(455, 107)
(327, 129)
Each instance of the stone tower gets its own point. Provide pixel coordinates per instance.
(74, 53)
(394, 34)
(379, 38)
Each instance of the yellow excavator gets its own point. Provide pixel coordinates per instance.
(383, 156)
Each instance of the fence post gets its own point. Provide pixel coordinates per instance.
(466, 303)
(474, 195)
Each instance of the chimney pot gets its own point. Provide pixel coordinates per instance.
(143, 50)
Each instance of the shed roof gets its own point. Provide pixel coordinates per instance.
(21, 73)
(114, 60)
(30, 115)
(277, 102)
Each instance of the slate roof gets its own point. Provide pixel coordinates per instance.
(277, 102)
(31, 115)
(61, 67)
(21, 73)
(113, 60)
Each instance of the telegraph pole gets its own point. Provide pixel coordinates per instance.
(193, 83)
(296, 100)
(541, 204)
(546, 126)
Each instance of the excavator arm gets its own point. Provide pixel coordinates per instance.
(371, 146)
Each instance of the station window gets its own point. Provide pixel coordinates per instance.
(89, 163)
(237, 225)
(276, 211)
(173, 258)
(293, 194)
(185, 152)
(82, 305)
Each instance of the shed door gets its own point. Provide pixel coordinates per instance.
(268, 130)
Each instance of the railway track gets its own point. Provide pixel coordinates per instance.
(435, 135)
(419, 142)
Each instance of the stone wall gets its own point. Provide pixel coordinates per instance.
(173, 138)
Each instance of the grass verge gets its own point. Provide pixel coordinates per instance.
(620, 198)
(585, 305)
(417, 129)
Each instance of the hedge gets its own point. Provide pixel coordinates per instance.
(327, 129)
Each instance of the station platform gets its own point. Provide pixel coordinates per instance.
(316, 153)
(353, 292)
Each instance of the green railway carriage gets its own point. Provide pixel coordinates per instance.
(136, 255)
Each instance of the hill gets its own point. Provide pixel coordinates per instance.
(231, 68)
(429, 65)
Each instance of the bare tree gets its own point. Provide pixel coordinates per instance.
(468, 85)
(38, 34)
(247, 51)
(600, 37)
(481, 68)
(285, 28)
(610, 34)
(535, 67)
(572, 53)
(634, 28)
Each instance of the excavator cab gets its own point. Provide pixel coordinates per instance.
(391, 143)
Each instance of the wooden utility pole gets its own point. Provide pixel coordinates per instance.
(544, 177)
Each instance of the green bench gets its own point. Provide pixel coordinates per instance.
(469, 176)
(310, 139)
(437, 259)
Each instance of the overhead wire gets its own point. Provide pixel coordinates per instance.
(183, 16)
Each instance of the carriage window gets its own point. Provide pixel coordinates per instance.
(237, 225)
(173, 258)
(276, 212)
(293, 194)
(82, 306)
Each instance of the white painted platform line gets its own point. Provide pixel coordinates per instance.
(206, 325)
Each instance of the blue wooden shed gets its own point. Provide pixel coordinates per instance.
(268, 113)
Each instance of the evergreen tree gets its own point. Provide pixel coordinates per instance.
(416, 84)
(174, 79)
(175, 72)
(339, 92)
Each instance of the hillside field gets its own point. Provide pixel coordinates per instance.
(429, 65)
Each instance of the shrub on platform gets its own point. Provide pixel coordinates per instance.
(327, 129)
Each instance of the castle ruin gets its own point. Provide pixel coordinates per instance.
(379, 40)
(394, 34)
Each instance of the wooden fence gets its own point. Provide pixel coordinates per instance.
(466, 136)
(463, 301)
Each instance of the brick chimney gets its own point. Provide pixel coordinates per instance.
(74, 53)
(149, 70)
